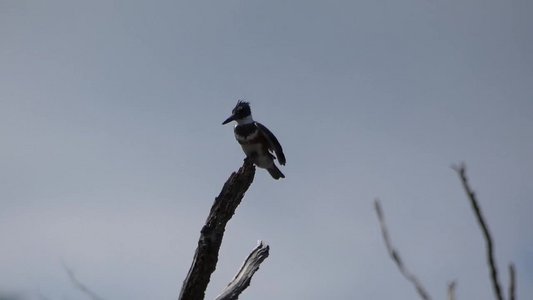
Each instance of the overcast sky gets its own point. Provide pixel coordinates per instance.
(112, 148)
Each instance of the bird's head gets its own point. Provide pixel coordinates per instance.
(240, 113)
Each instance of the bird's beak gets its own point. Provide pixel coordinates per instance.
(231, 118)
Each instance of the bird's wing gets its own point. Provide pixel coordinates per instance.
(272, 142)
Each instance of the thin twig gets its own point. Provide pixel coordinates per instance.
(80, 286)
(396, 256)
(512, 282)
(206, 255)
(451, 290)
(242, 280)
(461, 171)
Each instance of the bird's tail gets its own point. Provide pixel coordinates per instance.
(275, 172)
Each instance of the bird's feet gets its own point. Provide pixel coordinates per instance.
(251, 158)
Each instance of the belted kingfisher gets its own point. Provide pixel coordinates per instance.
(256, 140)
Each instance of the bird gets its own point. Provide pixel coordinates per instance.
(258, 143)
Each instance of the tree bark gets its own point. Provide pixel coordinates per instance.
(242, 280)
(206, 255)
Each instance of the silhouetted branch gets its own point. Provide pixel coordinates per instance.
(396, 256)
(80, 286)
(206, 255)
(242, 280)
(461, 171)
(512, 282)
(451, 290)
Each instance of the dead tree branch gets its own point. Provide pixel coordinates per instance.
(512, 282)
(80, 286)
(206, 255)
(242, 279)
(461, 171)
(396, 256)
(451, 290)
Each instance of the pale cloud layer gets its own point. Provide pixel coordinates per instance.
(112, 150)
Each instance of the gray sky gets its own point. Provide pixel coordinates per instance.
(112, 150)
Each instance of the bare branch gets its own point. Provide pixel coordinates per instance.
(512, 282)
(451, 290)
(80, 286)
(242, 280)
(206, 255)
(396, 256)
(461, 171)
